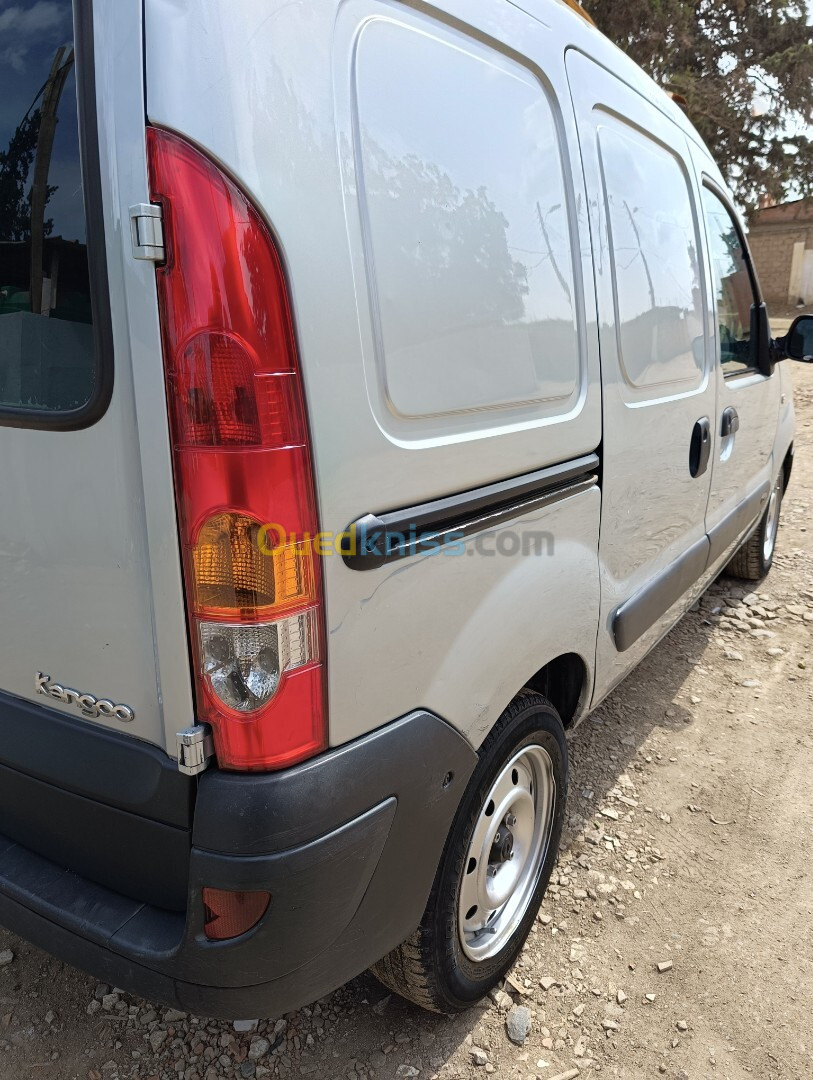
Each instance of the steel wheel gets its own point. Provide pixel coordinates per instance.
(519, 790)
(772, 521)
(506, 854)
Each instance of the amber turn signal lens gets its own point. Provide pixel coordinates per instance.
(237, 571)
(230, 914)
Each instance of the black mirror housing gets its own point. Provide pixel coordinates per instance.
(798, 344)
(762, 355)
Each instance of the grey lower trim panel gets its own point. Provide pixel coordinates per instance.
(736, 523)
(347, 844)
(86, 759)
(636, 615)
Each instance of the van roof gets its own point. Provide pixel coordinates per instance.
(574, 5)
(605, 52)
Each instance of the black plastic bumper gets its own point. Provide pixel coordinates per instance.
(347, 844)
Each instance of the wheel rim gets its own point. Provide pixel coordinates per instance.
(506, 853)
(772, 521)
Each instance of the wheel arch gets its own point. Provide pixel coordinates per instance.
(565, 682)
(787, 467)
(520, 622)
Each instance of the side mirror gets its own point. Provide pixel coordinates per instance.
(762, 355)
(798, 345)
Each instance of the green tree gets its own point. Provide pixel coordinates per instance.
(745, 68)
(15, 165)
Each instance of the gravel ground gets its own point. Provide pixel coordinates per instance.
(674, 940)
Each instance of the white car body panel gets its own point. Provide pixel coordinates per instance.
(434, 177)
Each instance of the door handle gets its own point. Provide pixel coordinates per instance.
(731, 422)
(700, 447)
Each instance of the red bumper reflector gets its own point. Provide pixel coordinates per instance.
(230, 914)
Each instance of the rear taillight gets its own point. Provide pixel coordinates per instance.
(243, 477)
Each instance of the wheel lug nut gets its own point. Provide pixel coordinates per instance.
(497, 836)
(510, 820)
(492, 871)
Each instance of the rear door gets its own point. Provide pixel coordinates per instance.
(658, 394)
(90, 589)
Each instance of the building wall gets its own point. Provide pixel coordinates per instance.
(773, 255)
(773, 235)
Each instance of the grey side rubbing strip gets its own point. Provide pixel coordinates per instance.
(375, 539)
(636, 615)
(737, 522)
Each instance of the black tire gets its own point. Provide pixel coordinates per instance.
(751, 562)
(430, 968)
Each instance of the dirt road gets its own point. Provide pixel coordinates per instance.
(689, 841)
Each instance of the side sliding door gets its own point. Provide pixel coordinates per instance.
(658, 394)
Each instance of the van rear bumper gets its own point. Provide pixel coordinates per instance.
(347, 844)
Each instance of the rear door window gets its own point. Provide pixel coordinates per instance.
(49, 362)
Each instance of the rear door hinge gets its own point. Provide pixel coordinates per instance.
(195, 749)
(147, 231)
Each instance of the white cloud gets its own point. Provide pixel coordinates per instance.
(24, 25)
(43, 15)
(13, 57)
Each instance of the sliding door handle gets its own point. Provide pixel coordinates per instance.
(731, 422)
(700, 447)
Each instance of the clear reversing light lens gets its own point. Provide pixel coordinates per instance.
(243, 664)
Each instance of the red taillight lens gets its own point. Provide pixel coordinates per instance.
(213, 393)
(230, 914)
(243, 476)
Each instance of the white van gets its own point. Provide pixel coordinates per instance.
(379, 382)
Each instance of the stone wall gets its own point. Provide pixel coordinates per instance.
(775, 232)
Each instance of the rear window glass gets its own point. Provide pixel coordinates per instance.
(47, 352)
